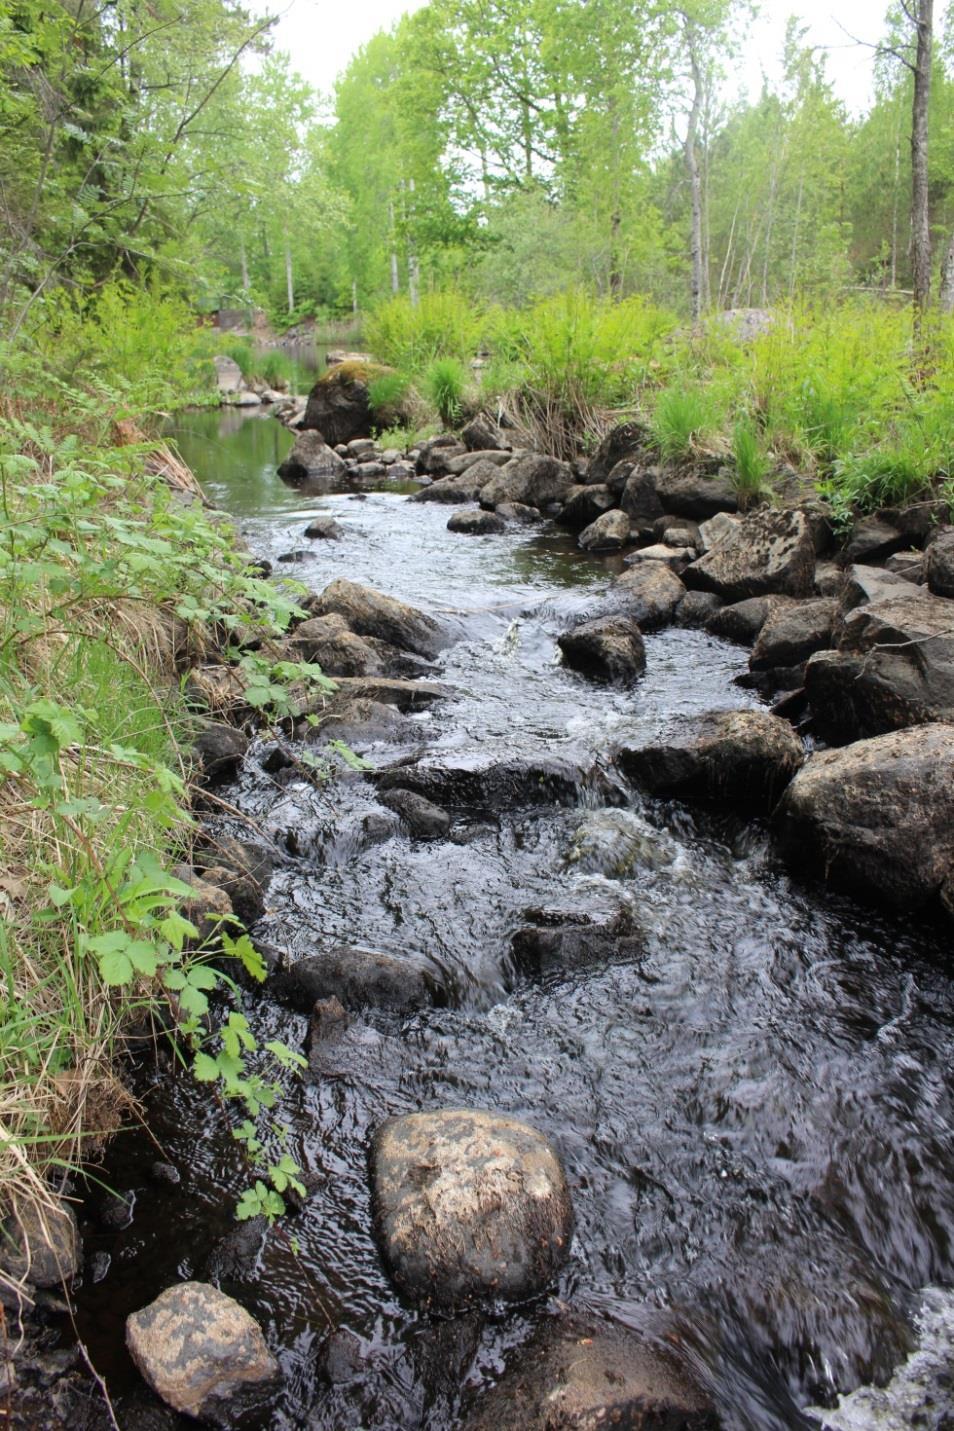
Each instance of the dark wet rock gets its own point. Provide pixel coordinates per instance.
(607, 534)
(370, 613)
(610, 648)
(406, 695)
(769, 551)
(939, 563)
(877, 817)
(477, 524)
(312, 461)
(243, 870)
(436, 452)
(166, 1174)
(425, 820)
(794, 632)
(893, 667)
(555, 940)
(919, 521)
(641, 502)
(697, 608)
(696, 494)
(330, 642)
(328, 1022)
(909, 564)
(356, 722)
(201, 1352)
(220, 750)
(458, 465)
(626, 442)
(40, 1242)
(300, 554)
(872, 539)
(482, 781)
(585, 504)
(483, 433)
(649, 593)
(325, 528)
(829, 579)
(357, 976)
(676, 558)
(463, 487)
(616, 480)
(579, 1373)
(518, 512)
(534, 480)
(467, 1206)
(744, 757)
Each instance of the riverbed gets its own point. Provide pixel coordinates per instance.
(755, 1114)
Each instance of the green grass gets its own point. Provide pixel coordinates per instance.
(445, 382)
(751, 462)
(683, 419)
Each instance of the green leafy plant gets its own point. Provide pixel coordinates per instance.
(444, 383)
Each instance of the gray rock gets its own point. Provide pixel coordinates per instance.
(370, 613)
(361, 448)
(716, 529)
(626, 442)
(482, 432)
(610, 648)
(585, 504)
(477, 524)
(607, 534)
(557, 940)
(201, 1352)
(617, 478)
(228, 375)
(389, 691)
(325, 528)
(330, 642)
(518, 512)
(680, 536)
(220, 750)
(829, 579)
(676, 558)
(619, 844)
(357, 976)
(40, 1242)
(245, 398)
(437, 452)
(794, 632)
(893, 667)
(745, 757)
(696, 494)
(911, 565)
(862, 584)
(469, 1206)
(464, 487)
(873, 539)
(242, 869)
(533, 480)
(697, 608)
(312, 462)
(458, 465)
(878, 816)
(425, 820)
(367, 471)
(579, 1373)
(483, 781)
(640, 500)
(649, 593)
(768, 551)
(939, 563)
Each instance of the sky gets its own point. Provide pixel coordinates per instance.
(322, 35)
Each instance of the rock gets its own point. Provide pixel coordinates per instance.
(361, 448)
(312, 461)
(607, 534)
(483, 433)
(909, 564)
(468, 1205)
(697, 608)
(696, 494)
(640, 501)
(207, 907)
(893, 667)
(680, 536)
(862, 584)
(324, 527)
(518, 512)
(919, 521)
(464, 487)
(389, 691)
(220, 750)
(829, 579)
(939, 564)
(477, 524)
(358, 721)
(769, 551)
(617, 479)
(873, 539)
(676, 558)
(610, 648)
(244, 398)
(579, 1373)
(793, 633)
(40, 1242)
(299, 555)
(370, 613)
(649, 593)
(330, 642)
(482, 781)
(559, 940)
(358, 977)
(243, 870)
(878, 816)
(328, 1022)
(201, 1352)
(740, 756)
(533, 480)
(457, 466)
(619, 844)
(367, 471)
(338, 404)
(425, 820)
(436, 452)
(585, 504)
(228, 374)
(716, 529)
(628, 441)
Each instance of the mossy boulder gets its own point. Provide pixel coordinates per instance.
(339, 404)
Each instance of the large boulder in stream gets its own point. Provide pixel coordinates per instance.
(745, 757)
(339, 406)
(534, 480)
(202, 1353)
(794, 633)
(649, 593)
(608, 649)
(359, 977)
(314, 464)
(480, 780)
(877, 817)
(371, 613)
(580, 1373)
(768, 551)
(469, 1206)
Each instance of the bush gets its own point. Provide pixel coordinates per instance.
(444, 384)
(442, 325)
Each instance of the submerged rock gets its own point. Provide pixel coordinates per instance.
(618, 844)
(325, 528)
(610, 648)
(201, 1352)
(740, 756)
(878, 816)
(359, 977)
(425, 820)
(371, 613)
(556, 940)
(469, 1206)
(769, 551)
(579, 1373)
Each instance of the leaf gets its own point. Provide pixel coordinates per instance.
(204, 1068)
(116, 968)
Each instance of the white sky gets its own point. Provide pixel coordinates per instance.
(322, 35)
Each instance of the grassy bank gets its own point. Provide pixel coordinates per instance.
(834, 392)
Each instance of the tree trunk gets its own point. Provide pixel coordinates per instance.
(947, 279)
(243, 259)
(413, 268)
(697, 291)
(395, 275)
(920, 221)
(289, 276)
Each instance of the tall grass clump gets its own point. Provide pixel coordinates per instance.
(443, 324)
(445, 382)
(683, 420)
(276, 368)
(751, 462)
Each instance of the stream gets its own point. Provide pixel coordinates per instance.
(755, 1116)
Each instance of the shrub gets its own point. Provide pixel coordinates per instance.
(444, 384)
(444, 324)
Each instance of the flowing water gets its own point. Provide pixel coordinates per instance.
(755, 1116)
